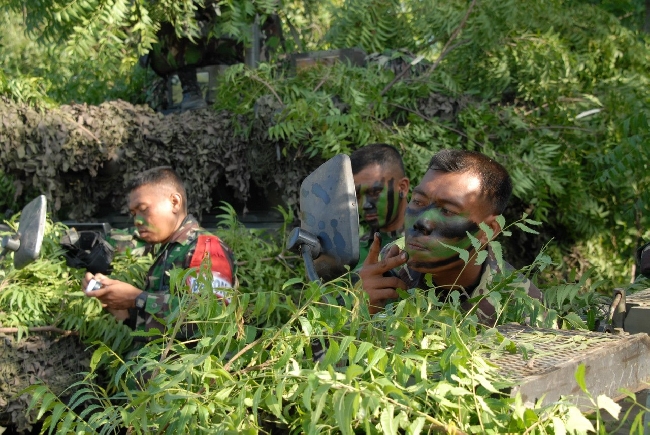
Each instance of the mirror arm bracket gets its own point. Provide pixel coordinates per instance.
(305, 250)
(308, 246)
(11, 243)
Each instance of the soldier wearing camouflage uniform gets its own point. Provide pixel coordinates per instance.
(460, 190)
(381, 187)
(158, 202)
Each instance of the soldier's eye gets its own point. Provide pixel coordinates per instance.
(446, 212)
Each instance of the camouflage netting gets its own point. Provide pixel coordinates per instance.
(55, 360)
(80, 156)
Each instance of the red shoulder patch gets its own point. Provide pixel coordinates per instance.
(210, 246)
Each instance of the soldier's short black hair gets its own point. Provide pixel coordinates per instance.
(160, 175)
(496, 184)
(377, 153)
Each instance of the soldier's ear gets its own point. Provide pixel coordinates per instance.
(403, 185)
(177, 202)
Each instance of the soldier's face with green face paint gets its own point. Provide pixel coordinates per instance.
(444, 207)
(378, 196)
(157, 212)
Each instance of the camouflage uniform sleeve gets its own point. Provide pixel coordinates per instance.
(158, 306)
(122, 240)
(160, 302)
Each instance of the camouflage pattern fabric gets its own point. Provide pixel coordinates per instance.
(123, 240)
(177, 253)
(485, 310)
(365, 242)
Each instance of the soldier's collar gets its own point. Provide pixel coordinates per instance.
(181, 235)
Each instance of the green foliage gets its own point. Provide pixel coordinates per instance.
(7, 192)
(556, 91)
(123, 30)
(47, 293)
(263, 265)
(45, 75)
(423, 365)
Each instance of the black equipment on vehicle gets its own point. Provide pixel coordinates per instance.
(87, 250)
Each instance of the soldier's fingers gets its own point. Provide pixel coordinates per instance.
(393, 282)
(381, 294)
(394, 251)
(97, 293)
(86, 279)
(387, 263)
(373, 252)
(100, 277)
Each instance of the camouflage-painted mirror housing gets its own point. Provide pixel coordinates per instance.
(26, 243)
(643, 260)
(329, 220)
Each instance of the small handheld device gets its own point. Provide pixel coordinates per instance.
(93, 285)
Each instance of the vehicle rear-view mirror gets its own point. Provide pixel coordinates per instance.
(329, 220)
(26, 243)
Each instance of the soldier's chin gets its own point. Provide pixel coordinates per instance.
(430, 264)
(148, 236)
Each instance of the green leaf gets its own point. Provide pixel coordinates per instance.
(291, 282)
(56, 416)
(97, 356)
(344, 409)
(476, 243)
(481, 257)
(361, 352)
(462, 253)
(501, 221)
(416, 426)
(487, 230)
(387, 420)
(525, 228)
(608, 405)
(578, 423)
(558, 426)
(580, 377)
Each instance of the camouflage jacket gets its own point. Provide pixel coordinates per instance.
(123, 239)
(485, 310)
(179, 252)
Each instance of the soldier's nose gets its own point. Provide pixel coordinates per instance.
(423, 226)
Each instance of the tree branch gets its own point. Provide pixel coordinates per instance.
(447, 48)
(50, 328)
(415, 112)
(265, 83)
(445, 51)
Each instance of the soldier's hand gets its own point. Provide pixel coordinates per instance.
(114, 294)
(381, 288)
(85, 280)
(120, 315)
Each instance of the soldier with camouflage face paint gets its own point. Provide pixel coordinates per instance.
(460, 190)
(382, 188)
(158, 203)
